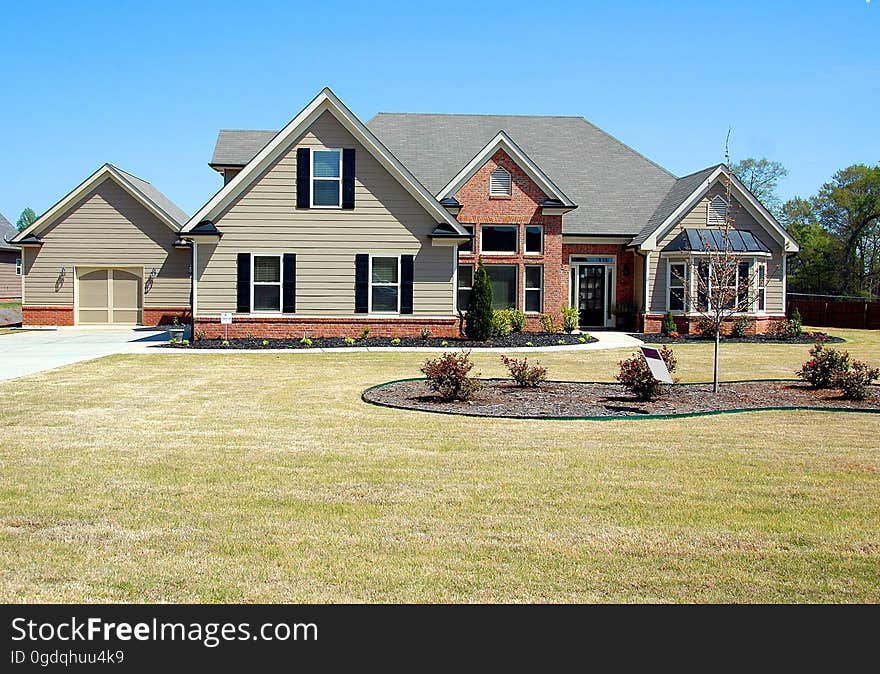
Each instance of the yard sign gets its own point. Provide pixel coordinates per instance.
(226, 321)
(657, 364)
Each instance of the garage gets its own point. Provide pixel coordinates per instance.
(109, 296)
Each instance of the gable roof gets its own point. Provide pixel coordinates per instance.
(616, 188)
(236, 147)
(687, 191)
(503, 142)
(7, 232)
(326, 101)
(147, 195)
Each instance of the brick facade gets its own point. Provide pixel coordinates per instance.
(289, 327)
(63, 316)
(687, 324)
(624, 288)
(166, 315)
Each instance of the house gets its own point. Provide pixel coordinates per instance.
(107, 253)
(10, 263)
(331, 226)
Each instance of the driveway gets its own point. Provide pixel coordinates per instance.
(26, 352)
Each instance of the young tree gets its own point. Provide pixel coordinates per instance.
(26, 219)
(761, 177)
(478, 323)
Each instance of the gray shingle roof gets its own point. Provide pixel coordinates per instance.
(154, 195)
(236, 147)
(7, 231)
(680, 191)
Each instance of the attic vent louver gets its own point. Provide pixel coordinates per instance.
(717, 215)
(499, 183)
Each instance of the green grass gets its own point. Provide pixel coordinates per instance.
(10, 305)
(264, 478)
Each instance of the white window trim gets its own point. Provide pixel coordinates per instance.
(473, 240)
(19, 265)
(685, 287)
(709, 222)
(483, 251)
(458, 285)
(382, 285)
(312, 177)
(526, 289)
(279, 283)
(610, 271)
(509, 191)
(760, 291)
(526, 251)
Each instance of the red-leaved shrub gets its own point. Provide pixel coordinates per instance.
(449, 376)
(524, 374)
(636, 376)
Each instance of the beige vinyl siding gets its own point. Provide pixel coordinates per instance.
(10, 283)
(696, 218)
(107, 227)
(386, 220)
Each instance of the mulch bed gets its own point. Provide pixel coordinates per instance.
(501, 398)
(805, 338)
(514, 339)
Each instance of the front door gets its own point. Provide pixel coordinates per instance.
(591, 295)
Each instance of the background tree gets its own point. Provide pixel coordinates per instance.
(761, 177)
(816, 268)
(478, 323)
(26, 219)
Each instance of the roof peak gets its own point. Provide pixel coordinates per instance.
(479, 114)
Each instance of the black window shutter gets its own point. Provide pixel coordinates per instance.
(288, 301)
(406, 284)
(243, 288)
(361, 282)
(303, 176)
(348, 178)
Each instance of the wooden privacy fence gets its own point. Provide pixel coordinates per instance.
(828, 311)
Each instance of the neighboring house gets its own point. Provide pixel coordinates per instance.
(107, 253)
(330, 226)
(10, 263)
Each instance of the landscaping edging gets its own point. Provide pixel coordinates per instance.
(657, 338)
(471, 408)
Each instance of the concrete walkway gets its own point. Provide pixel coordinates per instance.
(29, 351)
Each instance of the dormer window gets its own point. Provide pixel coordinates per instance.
(717, 215)
(499, 183)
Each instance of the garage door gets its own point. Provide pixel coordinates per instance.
(108, 296)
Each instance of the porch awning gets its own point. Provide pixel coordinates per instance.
(702, 240)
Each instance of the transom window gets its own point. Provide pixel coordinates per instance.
(327, 178)
(534, 277)
(502, 277)
(468, 246)
(717, 213)
(385, 285)
(499, 183)
(465, 285)
(266, 284)
(534, 239)
(18, 266)
(677, 286)
(501, 239)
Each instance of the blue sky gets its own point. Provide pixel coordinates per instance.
(147, 85)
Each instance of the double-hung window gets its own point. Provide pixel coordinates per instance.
(384, 285)
(677, 286)
(266, 284)
(534, 288)
(18, 266)
(465, 285)
(327, 178)
(499, 239)
(534, 239)
(502, 277)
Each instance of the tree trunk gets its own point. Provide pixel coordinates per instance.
(715, 373)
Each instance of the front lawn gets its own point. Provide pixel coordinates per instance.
(264, 477)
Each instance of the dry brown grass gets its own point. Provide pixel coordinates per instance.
(196, 477)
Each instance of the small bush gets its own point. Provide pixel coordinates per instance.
(425, 332)
(674, 335)
(305, 341)
(570, 318)
(364, 333)
(444, 343)
(796, 322)
(636, 376)
(529, 344)
(787, 329)
(225, 342)
(560, 342)
(525, 375)
(201, 334)
(350, 341)
(517, 319)
(582, 339)
(824, 366)
(548, 323)
(669, 324)
(184, 342)
(265, 342)
(705, 327)
(395, 341)
(448, 375)
(501, 326)
(740, 327)
(856, 380)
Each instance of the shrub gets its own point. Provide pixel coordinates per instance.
(201, 334)
(265, 342)
(517, 319)
(636, 377)
(787, 329)
(824, 366)
(796, 323)
(305, 341)
(548, 323)
(395, 341)
(444, 343)
(500, 323)
(448, 375)
(350, 341)
(184, 342)
(740, 327)
(582, 339)
(669, 324)
(365, 333)
(529, 344)
(856, 380)
(225, 342)
(425, 332)
(560, 342)
(570, 318)
(674, 335)
(478, 323)
(705, 327)
(524, 374)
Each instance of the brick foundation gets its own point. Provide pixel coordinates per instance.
(758, 325)
(289, 327)
(166, 315)
(63, 316)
